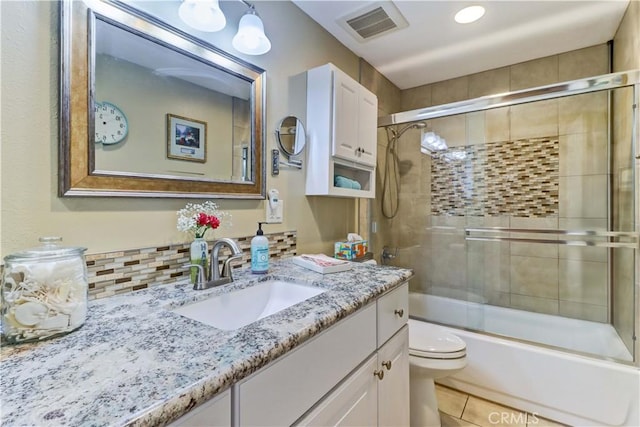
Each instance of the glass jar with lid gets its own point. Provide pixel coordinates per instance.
(44, 292)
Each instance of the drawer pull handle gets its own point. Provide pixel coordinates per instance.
(400, 312)
(379, 374)
(387, 364)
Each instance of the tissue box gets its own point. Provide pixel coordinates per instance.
(350, 250)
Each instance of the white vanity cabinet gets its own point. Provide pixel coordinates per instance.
(393, 388)
(283, 391)
(215, 412)
(341, 117)
(344, 376)
(377, 393)
(354, 373)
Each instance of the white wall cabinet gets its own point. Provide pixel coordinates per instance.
(341, 118)
(355, 114)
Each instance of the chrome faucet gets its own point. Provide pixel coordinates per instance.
(215, 276)
(387, 255)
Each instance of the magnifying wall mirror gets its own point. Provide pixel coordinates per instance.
(149, 111)
(291, 136)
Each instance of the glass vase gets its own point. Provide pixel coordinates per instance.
(198, 255)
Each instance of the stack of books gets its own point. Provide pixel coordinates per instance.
(322, 263)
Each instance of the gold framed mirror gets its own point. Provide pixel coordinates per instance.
(147, 110)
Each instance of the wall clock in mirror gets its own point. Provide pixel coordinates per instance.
(111, 124)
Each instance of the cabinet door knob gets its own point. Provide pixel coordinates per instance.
(387, 364)
(399, 312)
(379, 374)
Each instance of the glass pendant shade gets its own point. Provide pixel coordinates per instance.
(203, 15)
(250, 38)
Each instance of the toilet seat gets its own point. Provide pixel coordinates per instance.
(437, 355)
(433, 342)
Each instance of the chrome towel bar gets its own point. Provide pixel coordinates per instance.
(612, 237)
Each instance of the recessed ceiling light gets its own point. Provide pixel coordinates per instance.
(469, 14)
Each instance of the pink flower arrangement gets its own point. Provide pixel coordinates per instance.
(197, 219)
(206, 222)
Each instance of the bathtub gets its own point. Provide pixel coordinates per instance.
(570, 388)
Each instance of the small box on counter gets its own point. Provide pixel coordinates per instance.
(350, 250)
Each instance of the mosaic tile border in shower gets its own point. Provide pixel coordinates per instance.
(518, 178)
(113, 273)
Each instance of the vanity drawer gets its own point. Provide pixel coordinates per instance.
(393, 312)
(215, 412)
(280, 393)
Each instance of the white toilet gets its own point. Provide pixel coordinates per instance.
(433, 353)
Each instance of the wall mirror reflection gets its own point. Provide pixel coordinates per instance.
(165, 115)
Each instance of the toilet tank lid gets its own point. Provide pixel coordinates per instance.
(428, 337)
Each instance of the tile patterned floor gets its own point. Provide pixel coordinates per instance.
(458, 409)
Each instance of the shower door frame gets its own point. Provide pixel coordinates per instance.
(604, 82)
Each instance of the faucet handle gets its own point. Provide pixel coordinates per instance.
(227, 270)
(200, 277)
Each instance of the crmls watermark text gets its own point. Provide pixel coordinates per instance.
(512, 418)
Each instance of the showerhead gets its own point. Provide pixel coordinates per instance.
(418, 125)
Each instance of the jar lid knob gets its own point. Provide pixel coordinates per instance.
(50, 240)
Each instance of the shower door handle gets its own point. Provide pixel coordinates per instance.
(493, 234)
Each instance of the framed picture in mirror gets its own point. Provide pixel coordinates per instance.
(186, 139)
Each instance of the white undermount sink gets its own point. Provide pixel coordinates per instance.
(239, 308)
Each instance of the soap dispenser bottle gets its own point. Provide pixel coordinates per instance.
(259, 252)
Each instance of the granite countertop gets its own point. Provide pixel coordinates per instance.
(134, 362)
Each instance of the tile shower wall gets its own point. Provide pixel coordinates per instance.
(120, 272)
(547, 278)
(535, 182)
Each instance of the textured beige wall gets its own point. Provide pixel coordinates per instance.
(29, 129)
(627, 40)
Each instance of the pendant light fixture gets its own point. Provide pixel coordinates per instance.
(250, 38)
(203, 15)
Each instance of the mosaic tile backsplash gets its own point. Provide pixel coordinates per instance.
(517, 178)
(120, 272)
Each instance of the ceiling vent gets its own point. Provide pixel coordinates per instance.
(373, 21)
